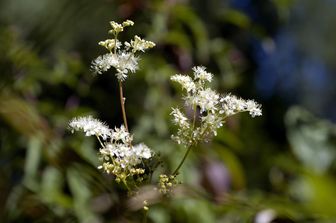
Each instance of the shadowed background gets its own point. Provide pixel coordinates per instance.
(276, 168)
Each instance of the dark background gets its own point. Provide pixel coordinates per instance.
(279, 52)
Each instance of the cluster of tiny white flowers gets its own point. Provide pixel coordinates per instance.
(183, 124)
(180, 119)
(213, 108)
(104, 62)
(120, 158)
(121, 56)
(201, 74)
(231, 104)
(206, 99)
(117, 154)
(186, 82)
(90, 126)
(139, 44)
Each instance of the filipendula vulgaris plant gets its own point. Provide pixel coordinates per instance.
(210, 110)
(117, 154)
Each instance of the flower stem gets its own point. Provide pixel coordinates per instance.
(115, 43)
(145, 216)
(194, 116)
(182, 161)
(122, 103)
(189, 148)
(100, 141)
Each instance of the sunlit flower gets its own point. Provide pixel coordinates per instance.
(104, 62)
(127, 62)
(185, 81)
(231, 104)
(139, 44)
(121, 56)
(110, 44)
(207, 100)
(201, 74)
(213, 108)
(121, 134)
(90, 126)
(122, 159)
(180, 119)
(142, 151)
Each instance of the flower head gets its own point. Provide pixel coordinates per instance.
(110, 44)
(231, 104)
(207, 100)
(121, 56)
(120, 158)
(90, 126)
(201, 74)
(103, 63)
(179, 118)
(213, 108)
(139, 44)
(121, 135)
(185, 81)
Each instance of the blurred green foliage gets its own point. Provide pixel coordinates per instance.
(49, 175)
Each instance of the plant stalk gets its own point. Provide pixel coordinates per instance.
(122, 103)
(182, 161)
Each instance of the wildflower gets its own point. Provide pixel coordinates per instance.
(207, 100)
(180, 119)
(104, 62)
(231, 104)
(201, 74)
(120, 134)
(186, 82)
(110, 44)
(121, 56)
(167, 183)
(120, 158)
(127, 62)
(139, 44)
(116, 27)
(90, 126)
(142, 151)
(117, 154)
(128, 23)
(211, 123)
(253, 108)
(213, 108)
(145, 205)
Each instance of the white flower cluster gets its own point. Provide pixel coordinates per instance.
(117, 154)
(120, 158)
(213, 108)
(121, 56)
(90, 126)
(231, 105)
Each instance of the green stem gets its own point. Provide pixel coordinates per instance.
(125, 183)
(122, 103)
(189, 148)
(145, 216)
(115, 43)
(194, 117)
(182, 161)
(100, 141)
